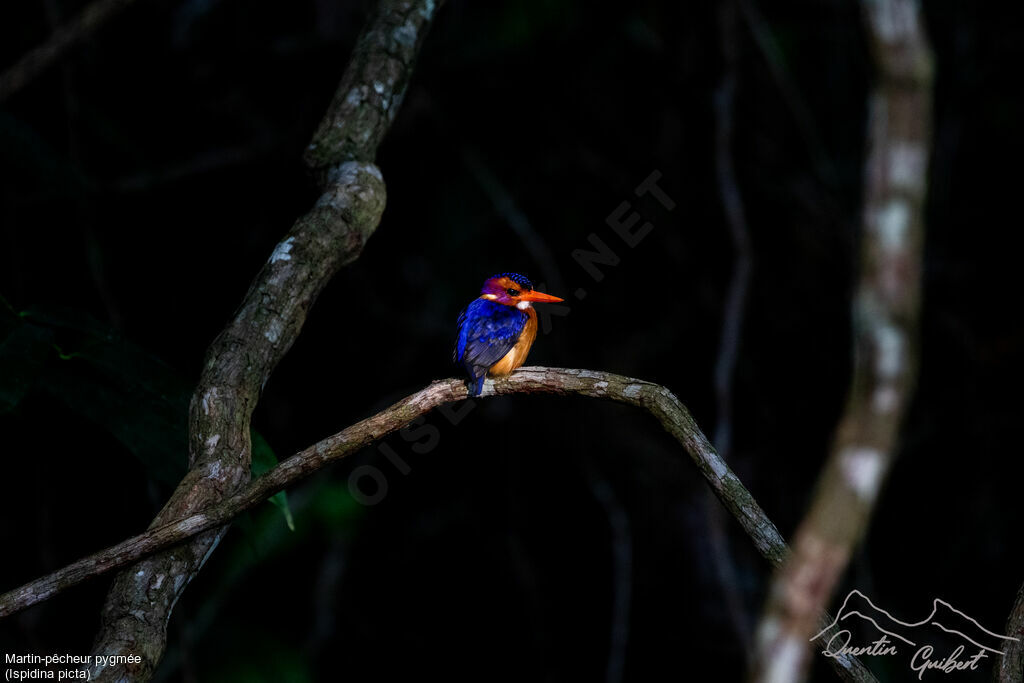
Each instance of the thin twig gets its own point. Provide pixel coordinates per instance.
(621, 546)
(732, 319)
(769, 47)
(39, 58)
(736, 220)
(505, 205)
(886, 309)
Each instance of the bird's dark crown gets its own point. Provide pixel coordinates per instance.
(520, 280)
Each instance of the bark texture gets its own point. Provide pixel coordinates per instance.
(1011, 664)
(885, 324)
(661, 403)
(241, 358)
(655, 399)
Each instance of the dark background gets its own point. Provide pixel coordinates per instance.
(147, 177)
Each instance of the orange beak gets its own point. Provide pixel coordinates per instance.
(539, 297)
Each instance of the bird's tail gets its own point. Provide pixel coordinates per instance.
(475, 384)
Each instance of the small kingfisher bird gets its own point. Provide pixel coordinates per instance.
(497, 329)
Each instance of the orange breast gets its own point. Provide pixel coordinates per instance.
(517, 356)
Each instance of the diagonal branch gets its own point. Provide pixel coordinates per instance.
(64, 37)
(655, 399)
(886, 308)
(769, 47)
(241, 358)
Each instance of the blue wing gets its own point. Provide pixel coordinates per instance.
(487, 331)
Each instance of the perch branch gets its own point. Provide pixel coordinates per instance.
(241, 358)
(655, 399)
(886, 307)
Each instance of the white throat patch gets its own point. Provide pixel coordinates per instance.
(523, 305)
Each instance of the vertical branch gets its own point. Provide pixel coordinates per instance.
(736, 219)
(885, 325)
(505, 205)
(733, 315)
(241, 358)
(621, 547)
(1011, 664)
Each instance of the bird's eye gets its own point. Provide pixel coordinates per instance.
(512, 292)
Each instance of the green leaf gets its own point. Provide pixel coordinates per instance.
(263, 460)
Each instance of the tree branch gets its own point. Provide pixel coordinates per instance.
(736, 219)
(241, 358)
(39, 58)
(654, 398)
(373, 86)
(783, 78)
(733, 313)
(1011, 665)
(886, 308)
